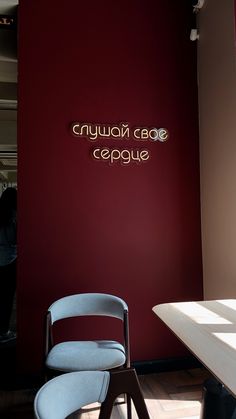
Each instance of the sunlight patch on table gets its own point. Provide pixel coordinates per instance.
(200, 314)
(228, 303)
(228, 338)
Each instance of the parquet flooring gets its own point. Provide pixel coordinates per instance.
(168, 395)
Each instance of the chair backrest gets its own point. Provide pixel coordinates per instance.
(87, 305)
(65, 394)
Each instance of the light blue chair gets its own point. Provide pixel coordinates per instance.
(92, 355)
(67, 393)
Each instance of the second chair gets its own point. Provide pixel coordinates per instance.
(67, 393)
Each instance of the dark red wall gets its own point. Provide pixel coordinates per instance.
(235, 12)
(86, 226)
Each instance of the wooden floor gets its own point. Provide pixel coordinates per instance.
(169, 395)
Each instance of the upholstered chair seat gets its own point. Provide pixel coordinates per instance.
(93, 356)
(67, 393)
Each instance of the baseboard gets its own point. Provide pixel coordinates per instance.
(10, 380)
(164, 365)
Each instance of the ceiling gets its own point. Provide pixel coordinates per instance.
(8, 95)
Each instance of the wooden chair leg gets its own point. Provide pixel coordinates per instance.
(124, 381)
(129, 406)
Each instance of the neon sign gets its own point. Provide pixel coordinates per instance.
(124, 156)
(119, 132)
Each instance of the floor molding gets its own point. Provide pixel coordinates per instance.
(165, 365)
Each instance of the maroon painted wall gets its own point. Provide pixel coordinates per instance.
(86, 226)
(235, 14)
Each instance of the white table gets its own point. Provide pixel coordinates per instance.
(208, 329)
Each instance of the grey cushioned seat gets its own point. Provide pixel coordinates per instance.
(66, 394)
(93, 356)
(63, 395)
